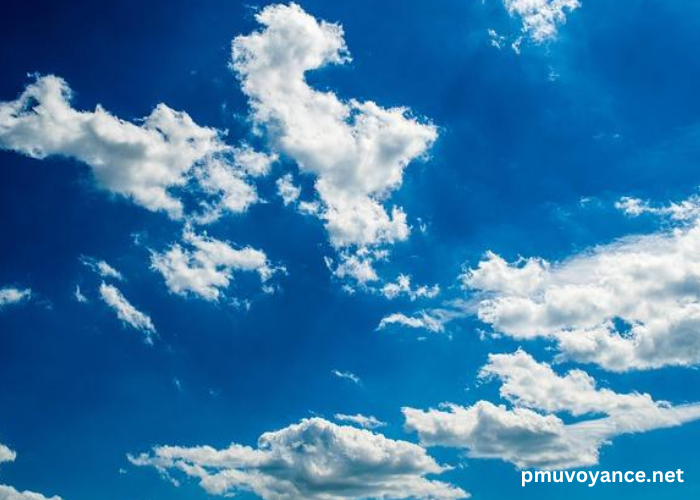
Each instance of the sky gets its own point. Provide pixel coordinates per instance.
(348, 250)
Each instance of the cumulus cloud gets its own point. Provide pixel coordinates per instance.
(312, 460)
(402, 287)
(527, 383)
(541, 18)
(633, 304)
(204, 266)
(10, 295)
(227, 179)
(287, 190)
(127, 313)
(530, 439)
(365, 421)
(143, 161)
(356, 265)
(356, 151)
(10, 493)
(6, 454)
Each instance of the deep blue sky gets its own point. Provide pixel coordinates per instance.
(516, 153)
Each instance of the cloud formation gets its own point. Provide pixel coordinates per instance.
(10, 295)
(423, 320)
(683, 211)
(312, 460)
(144, 161)
(127, 313)
(347, 376)
(529, 439)
(529, 384)
(204, 266)
(402, 287)
(10, 493)
(364, 421)
(6, 454)
(287, 190)
(541, 18)
(102, 268)
(356, 151)
(632, 304)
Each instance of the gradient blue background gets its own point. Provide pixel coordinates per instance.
(517, 153)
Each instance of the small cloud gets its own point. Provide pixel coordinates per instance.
(127, 313)
(10, 295)
(79, 296)
(541, 18)
(102, 268)
(347, 376)
(402, 287)
(287, 190)
(367, 422)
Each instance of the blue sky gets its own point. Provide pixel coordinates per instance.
(487, 204)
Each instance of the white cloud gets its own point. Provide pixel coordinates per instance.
(497, 41)
(6, 454)
(358, 265)
(433, 319)
(402, 287)
(684, 211)
(424, 320)
(143, 160)
(312, 460)
(530, 439)
(79, 295)
(102, 268)
(126, 312)
(365, 421)
(347, 376)
(10, 493)
(633, 304)
(530, 384)
(541, 18)
(10, 295)
(205, 266)
(252, 162)
(221, 179)
(228, 180)
(287, 190)
(357, 151)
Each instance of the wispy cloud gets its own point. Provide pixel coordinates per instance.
(347, 376)
(127, 313)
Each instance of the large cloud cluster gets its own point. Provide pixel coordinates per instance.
(531, 434)
(312, 460)
(633, 304)
(356, 151)
(144, 162)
